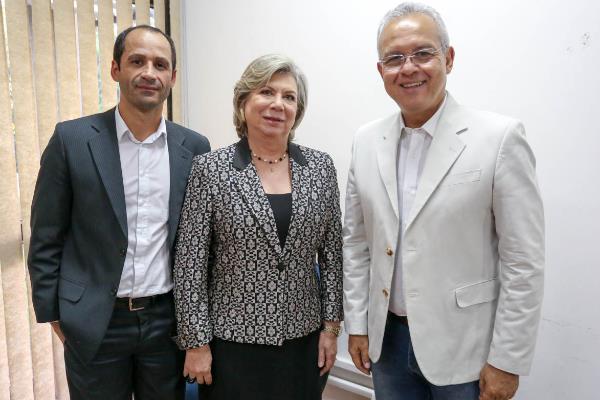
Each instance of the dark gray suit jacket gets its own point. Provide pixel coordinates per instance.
(79, 224)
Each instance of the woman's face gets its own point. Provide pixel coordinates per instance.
(271, 110)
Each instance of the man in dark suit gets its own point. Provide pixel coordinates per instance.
(103, 222)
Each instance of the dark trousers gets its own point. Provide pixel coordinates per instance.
(137, 356)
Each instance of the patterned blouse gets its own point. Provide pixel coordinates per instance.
(232, 278)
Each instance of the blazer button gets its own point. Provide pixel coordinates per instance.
(280, 266)
(385, 293)
(113, 291)
(389, 251)
(123, 252)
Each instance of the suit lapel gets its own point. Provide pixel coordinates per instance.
(387, 150)
(247, 181)
(445, 148)
(105, 152)
(301, 190)
(180, 163)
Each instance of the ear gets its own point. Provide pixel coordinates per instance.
(114, 71)
(380, 69)
(449, 59)
(173, 77)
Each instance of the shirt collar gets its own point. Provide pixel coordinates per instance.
(123, 131)
(431, 125)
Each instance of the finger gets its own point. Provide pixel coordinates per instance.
(329, 363)
(358, 363)
(329, 359)
(364, 355)
(321, 361)
(208, 378)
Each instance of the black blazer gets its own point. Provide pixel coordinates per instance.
(254, 291)
(79, 223)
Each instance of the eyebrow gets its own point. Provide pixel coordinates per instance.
(414, 49)
(272, 88)
(158, 58)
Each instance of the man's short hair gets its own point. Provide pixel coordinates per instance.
(258, 74)
(119, 47)
(408, 8)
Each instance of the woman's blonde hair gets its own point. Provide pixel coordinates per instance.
(258, 74)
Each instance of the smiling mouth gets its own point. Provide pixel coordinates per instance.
(273, 119)
(412, 84)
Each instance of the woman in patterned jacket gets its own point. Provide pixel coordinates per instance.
(256, 320)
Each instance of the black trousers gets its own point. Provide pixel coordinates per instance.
(259, 372)
(137, 356)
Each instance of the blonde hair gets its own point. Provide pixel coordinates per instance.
(258, 74)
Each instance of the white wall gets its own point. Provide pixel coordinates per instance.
(538, 61)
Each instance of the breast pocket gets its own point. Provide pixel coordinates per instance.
(460, 178)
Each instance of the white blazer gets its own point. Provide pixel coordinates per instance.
(472, 252)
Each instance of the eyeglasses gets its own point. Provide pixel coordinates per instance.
(419, 57)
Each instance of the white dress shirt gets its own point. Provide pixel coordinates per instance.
(146, 180)
(411, 155)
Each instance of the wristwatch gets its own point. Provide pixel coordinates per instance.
(336, 330)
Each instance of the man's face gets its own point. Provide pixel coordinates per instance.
(145, 74)
(418, 89)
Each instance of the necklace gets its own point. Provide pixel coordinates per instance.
(270, 162)
(273, 161)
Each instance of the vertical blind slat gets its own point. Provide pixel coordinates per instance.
(8, 203)
(88, 62)
(44, 69)
(142, 12)
(159, 14)
(106, 37)
(4, 373)
(124, 15)
(69, 99)
(159, 22)
(175, 13)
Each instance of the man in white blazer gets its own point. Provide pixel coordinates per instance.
(443, 235)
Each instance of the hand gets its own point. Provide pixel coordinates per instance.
(327, 351)
(358, 347)
(495, 384)
(197, 365)
(56, 328)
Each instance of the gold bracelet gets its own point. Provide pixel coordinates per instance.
(336, 330)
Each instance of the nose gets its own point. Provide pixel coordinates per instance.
(408, 66)
(277, 102)
(149, 72)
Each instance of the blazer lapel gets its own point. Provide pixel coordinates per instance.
(180, 163)
(246, 179)
(387, 150)
(105, 152)
(445, 148)
(301, 190)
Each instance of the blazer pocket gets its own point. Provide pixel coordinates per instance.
(70, 290)
(477, 293)
(462, 177)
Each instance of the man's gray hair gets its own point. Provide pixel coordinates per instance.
(407, 8)
(257, 75)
